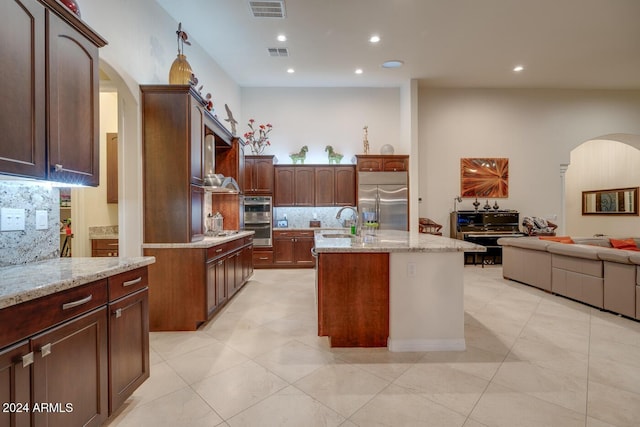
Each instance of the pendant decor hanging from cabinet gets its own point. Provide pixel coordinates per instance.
(180, 72)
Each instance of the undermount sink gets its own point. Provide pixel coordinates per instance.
(337, 236)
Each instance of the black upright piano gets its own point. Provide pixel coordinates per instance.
(485, 228)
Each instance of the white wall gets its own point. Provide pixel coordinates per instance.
(601, 165)
(142, 46)
(535, 129)
(318, 117)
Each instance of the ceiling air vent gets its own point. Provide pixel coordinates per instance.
(278, 51)
(267, 9)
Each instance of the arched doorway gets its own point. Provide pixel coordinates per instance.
(605, 162)
(129, 208)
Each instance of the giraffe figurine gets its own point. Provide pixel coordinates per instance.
(365, 141)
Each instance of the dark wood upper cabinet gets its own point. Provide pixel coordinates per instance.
(335, 186)
(49, 117)
(325, 186)
(386, 163)
(73, 105)
(294, 186)
(314, 185)
(258, 175)
(284, 180)
(22, 111)
(172, 148)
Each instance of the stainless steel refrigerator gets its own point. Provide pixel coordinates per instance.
(386, 195)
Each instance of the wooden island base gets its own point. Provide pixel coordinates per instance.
(353, 298)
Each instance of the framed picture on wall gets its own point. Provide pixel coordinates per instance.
(484, 177)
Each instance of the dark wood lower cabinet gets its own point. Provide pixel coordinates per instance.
(293, 248)
(70, 372)
(191, 284)
(128, 346)
(15, 385)
(75, 355)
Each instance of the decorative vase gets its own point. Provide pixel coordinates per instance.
(180, 73)
(72, 5)
(256, 150)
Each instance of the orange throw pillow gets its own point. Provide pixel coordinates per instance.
(628, 244)
(559, 239)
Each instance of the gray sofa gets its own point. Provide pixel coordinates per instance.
(589, 271)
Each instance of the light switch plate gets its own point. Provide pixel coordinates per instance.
(11, 219)
(42, 220)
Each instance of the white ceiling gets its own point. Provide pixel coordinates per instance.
(454, 43)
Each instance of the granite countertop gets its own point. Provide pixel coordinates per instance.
(392, 241)
(24, 282)
(205, 243)
(103, 232)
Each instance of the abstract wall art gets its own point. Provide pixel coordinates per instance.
(484, 177)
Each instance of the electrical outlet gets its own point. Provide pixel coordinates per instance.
(11, 219)
(42, 220)
(411, 269)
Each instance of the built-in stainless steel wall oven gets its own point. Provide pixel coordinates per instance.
(258, 217)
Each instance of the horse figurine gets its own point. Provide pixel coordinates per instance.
(333, 156)
(301, 155)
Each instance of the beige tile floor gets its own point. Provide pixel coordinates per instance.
(532, 359)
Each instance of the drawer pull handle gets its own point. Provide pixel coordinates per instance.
(27, 359)
(132, 282)
(263, 258)
(73, 304)
(218, 250)
(45, 350)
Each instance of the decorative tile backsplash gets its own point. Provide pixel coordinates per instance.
(300, 217)
(21, 247)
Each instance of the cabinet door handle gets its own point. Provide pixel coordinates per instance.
(132, 282)
(58, 167)
(118, 313)
(238, 254)
(27, 359)
(220, 262)
(73, 304)
(45, 350)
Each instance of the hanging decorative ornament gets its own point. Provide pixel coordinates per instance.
(180, 73)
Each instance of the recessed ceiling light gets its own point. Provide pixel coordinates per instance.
(290, 70)
(374, 39)
(358, 71)
(282, 38)
(394, 63)
(518, 68)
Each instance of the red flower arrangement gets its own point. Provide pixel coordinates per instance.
(258, 139)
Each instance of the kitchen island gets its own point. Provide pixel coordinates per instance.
(394, 288)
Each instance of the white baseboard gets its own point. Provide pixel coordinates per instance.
(426, 345)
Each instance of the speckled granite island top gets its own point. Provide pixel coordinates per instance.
(390, 241)
(20, 283)
(207, 242)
